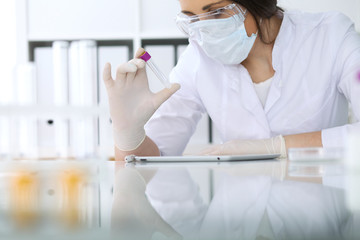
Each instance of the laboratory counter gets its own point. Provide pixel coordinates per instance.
(98, 199)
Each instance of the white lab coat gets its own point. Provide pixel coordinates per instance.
(316, 58)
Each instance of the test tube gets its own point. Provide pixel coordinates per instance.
(147, 58)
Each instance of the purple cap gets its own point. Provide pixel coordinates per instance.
(145, 56)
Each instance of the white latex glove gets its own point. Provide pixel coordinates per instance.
(275, 145)
(133, 217)
(131, 102)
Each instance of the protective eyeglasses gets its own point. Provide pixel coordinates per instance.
(233, 14)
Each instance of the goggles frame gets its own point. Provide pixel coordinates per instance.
(183, 21)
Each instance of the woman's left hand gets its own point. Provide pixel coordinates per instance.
(275, 145)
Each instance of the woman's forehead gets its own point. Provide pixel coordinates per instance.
(198, 6)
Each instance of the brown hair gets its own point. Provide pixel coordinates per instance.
(264, 9)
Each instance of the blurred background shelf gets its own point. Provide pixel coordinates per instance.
(113, 30)
(52, 111)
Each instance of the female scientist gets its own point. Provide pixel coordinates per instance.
(270, 80)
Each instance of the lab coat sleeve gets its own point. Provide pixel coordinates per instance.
(348, 65)
(175, 121)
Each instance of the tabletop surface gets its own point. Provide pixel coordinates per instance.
(268, 199)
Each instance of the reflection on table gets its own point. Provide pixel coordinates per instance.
(248, 200)
(270, 199)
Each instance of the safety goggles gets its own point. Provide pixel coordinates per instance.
(227, 18)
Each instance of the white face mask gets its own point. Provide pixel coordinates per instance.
(216, 41)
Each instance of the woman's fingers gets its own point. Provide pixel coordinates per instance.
(213, 150)
(139, 65)
(124, 69)
(139, 52)
(107, 75)
(165, 94)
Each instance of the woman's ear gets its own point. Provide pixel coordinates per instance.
(250, 24)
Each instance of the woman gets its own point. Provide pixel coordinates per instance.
(270, 80)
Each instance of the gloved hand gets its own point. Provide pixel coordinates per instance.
(275, 145)
(131, 102)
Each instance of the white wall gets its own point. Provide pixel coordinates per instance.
(351, 8)
(7, 48)
(135, 19)
(81, 18)
(44, 20)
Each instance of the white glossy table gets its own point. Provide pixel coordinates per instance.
(270, 199)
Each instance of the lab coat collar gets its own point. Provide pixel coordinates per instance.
(279, 45)
(274, 93)
(240, 82)
(281, 41)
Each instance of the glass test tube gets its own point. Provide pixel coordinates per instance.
(147, 58)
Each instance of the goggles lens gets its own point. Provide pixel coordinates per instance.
(232, 14)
